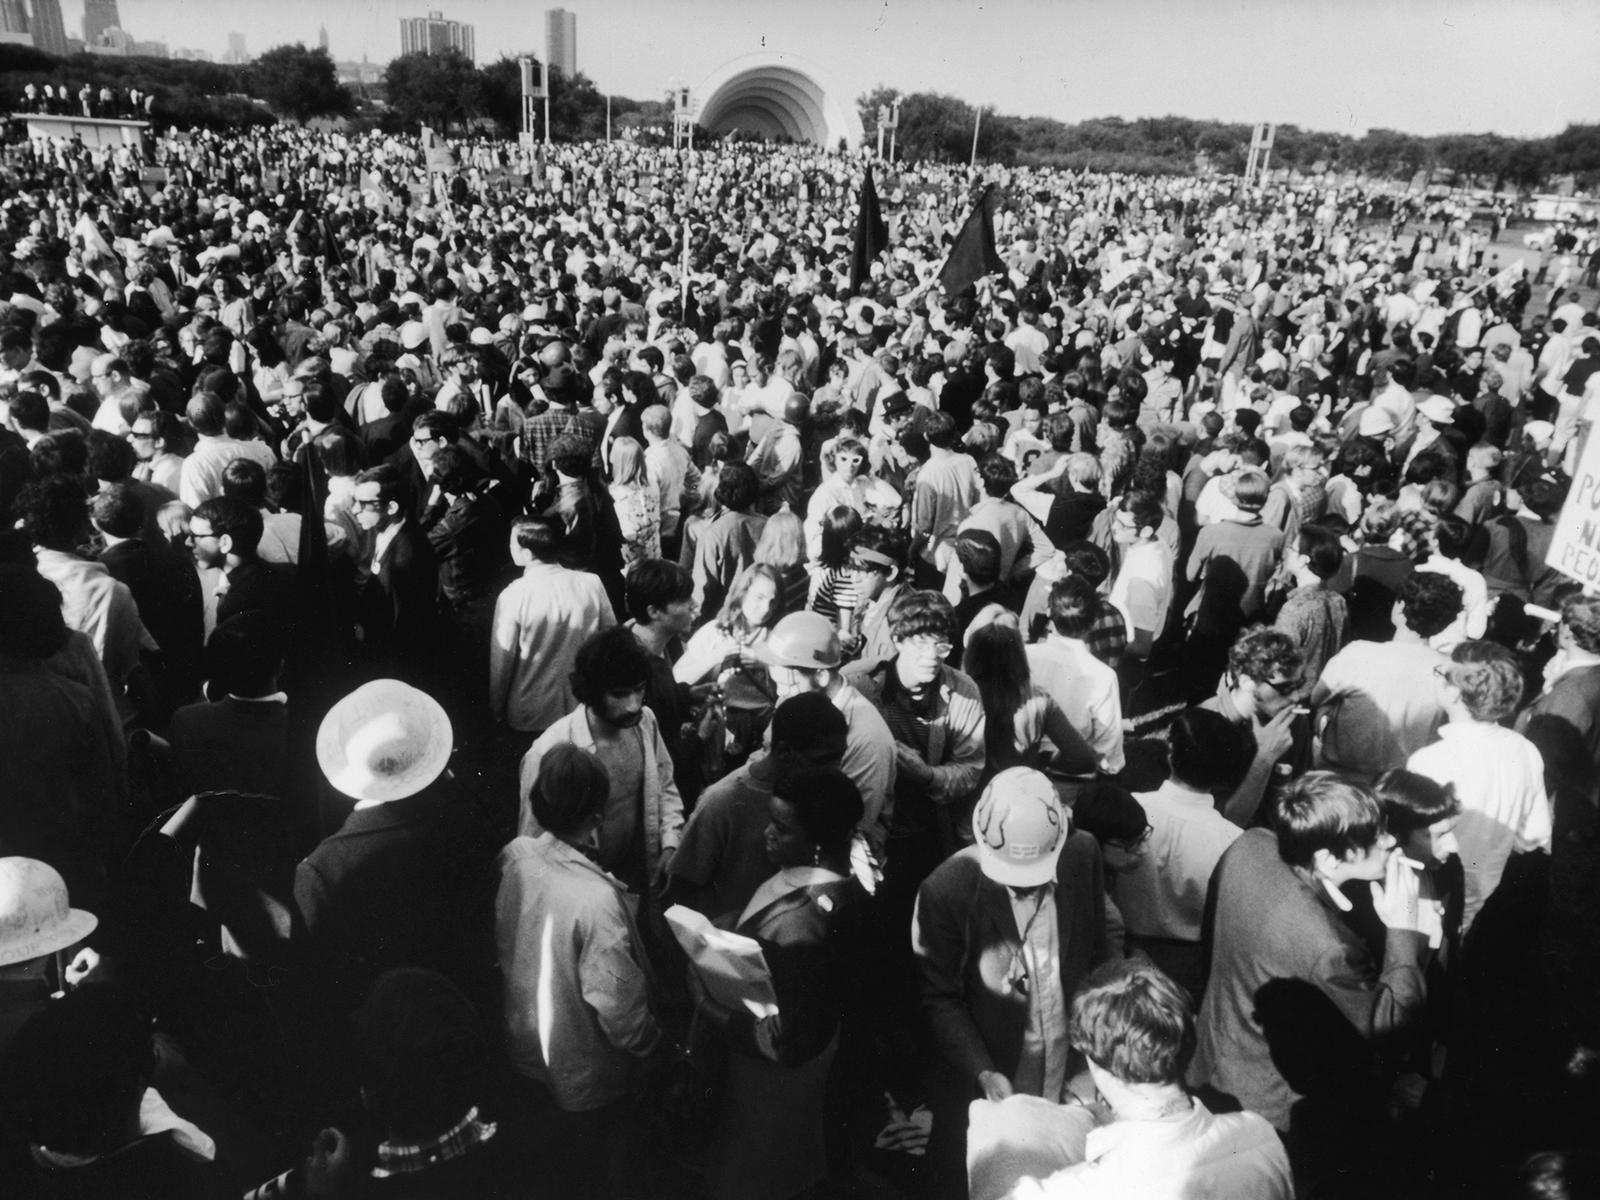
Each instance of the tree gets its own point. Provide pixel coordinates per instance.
(437, 90)
(299, 82)
(577, 110)
(869, 103)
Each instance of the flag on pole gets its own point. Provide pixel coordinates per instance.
(872, 235)
(972, 255)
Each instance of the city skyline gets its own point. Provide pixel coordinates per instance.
(1426, 67)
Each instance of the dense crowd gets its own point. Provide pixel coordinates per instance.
(522, 680)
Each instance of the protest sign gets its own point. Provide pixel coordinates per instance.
(1575, 548)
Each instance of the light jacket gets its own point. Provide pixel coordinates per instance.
(577, 991)
(663, 806)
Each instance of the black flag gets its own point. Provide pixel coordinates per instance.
(973, 255)
(872, 235)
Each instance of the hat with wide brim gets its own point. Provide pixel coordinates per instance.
(35, 918)
(384, 741)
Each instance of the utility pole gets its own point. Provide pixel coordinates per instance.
(977, 121)
(608, 118)
(883, 121)
(894, 125)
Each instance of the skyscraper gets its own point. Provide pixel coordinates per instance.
(322, 37)
(236, 49)
(432, 34)
(561, 40)
(49, 34)
(14, 22)
(99, 16)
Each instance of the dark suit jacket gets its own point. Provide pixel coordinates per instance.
(399, 606)
(151, 497)
(1294, 998)
(167, 590)
(404, 884)
(470, 542)
(256, 586)
(232, 745)
(385, 436)
(966, 941)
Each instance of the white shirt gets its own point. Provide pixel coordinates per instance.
(540, 621)
(671, 470)
(1235, 1155)
(1026, 344)
(1498, 776)
(1086, 691)
(1148, 565)
(202, 471)
(1164, 893)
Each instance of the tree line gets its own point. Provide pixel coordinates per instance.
(940, 128)
(449, 93)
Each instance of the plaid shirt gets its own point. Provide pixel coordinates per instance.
(539, 434)
(394, 1159)
(1107, 638)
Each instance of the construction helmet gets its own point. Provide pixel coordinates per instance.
(1020, 827)
(35, 918)
(797, 408)
(806, 641)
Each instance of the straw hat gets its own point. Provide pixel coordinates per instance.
(384, 741)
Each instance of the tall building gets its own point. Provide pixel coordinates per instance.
(236, 49)
(432, 34)
(49, 34)
(561, 40)
(99, 16)
(14, 23)
(322, 38)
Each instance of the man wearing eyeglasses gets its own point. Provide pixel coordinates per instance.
(398, 608)
(153, 436)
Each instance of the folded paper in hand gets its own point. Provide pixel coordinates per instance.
(730, 965)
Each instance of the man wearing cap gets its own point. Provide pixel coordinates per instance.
(37, 924)
(1434, 415)
(804, 656)
(1003, 932)
(407, 881)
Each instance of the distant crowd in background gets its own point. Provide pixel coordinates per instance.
(1104, 649)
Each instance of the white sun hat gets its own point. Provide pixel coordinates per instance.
(384, 741)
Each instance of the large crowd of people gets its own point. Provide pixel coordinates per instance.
(527, 680)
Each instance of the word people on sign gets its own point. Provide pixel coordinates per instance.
(1575, 547)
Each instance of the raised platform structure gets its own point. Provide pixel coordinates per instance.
(104, 132)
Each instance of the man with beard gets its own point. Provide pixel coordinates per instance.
(641, 822)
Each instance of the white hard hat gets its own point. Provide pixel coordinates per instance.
(806, 640)
(1020, 826)
(35, 918)
(384, 741)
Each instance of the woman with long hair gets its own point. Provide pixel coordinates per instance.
(750, 610)
(833, 584)
(637, 501)
(1019, 715)
(723, 651)
(782, 547)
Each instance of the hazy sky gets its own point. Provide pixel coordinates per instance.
(1425, 66)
